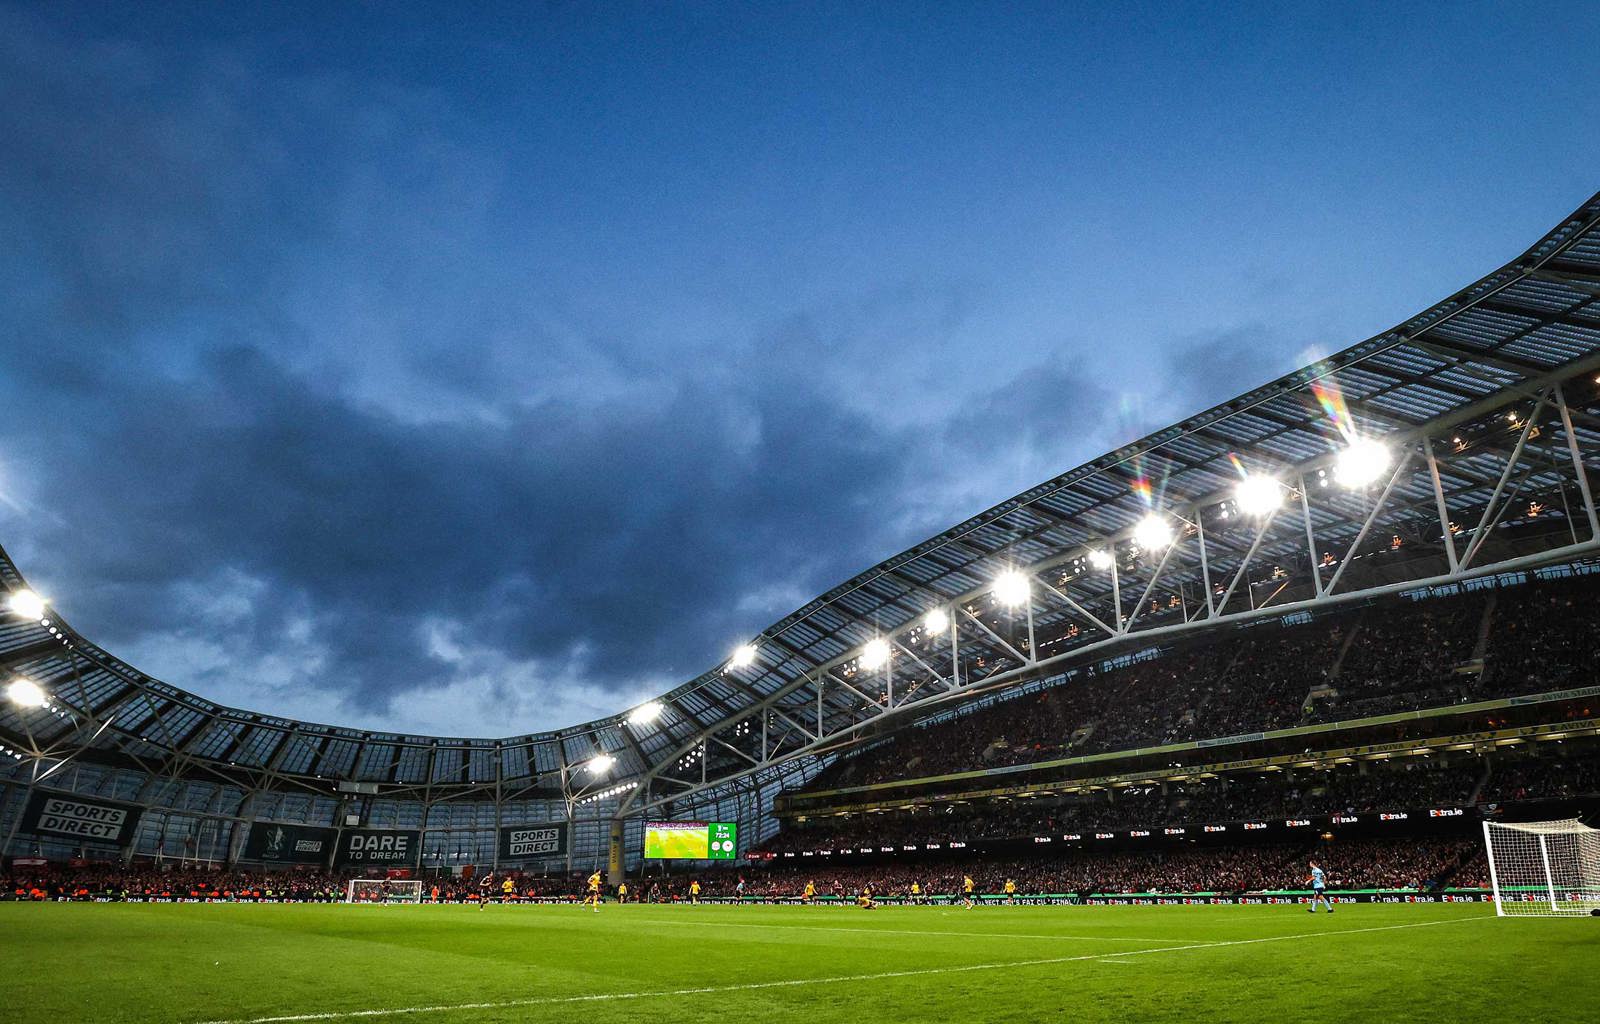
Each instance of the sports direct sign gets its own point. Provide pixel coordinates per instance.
(381, 846)
(520, 842)
(75, 817)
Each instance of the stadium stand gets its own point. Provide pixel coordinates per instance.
(1398, 864)
(1404, 626)
(1393, 656)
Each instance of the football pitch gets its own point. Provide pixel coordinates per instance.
(184, 964)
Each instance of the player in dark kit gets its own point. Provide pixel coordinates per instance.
(485, 890)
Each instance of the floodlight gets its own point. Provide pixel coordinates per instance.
(1153, 532)
(936, 621)
(27, 604)
(875, 654)
(1361, 463)
(645, 713)
(743, 655)
(26, 693)
(1101, 558)
(1258, 495)
(1011, 588)
(599, 764)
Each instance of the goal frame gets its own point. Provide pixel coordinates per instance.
(412, 886)
(1528, 883)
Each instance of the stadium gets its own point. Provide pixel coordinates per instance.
(1354, 625)
(1286, 711)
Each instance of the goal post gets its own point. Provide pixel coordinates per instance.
(383, 890)
(1543, 868)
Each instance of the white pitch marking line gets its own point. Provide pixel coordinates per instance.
(798, 982)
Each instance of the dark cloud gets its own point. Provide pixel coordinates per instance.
(292, 421)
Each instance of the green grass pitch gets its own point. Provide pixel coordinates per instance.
(181, 964)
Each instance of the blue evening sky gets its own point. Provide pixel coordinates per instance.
(465, 369)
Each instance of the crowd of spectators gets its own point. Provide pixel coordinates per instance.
(1406, 655)
(1350, 864)
(1546, 640)
(1354, 864)
(1401, 654)
(150, 882)
(1416, 783)
(1543, 778)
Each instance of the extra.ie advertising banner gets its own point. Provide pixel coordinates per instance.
(520, 842)
(80, 818)
(383, 847)
(273, 843)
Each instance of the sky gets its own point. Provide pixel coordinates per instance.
(478, 371)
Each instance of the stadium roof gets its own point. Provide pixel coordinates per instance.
(1483, 400)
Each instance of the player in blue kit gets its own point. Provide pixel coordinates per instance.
(1319, 888)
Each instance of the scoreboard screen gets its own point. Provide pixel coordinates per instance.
(691, 840)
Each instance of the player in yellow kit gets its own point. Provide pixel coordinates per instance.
(1011, 890)
(865, 900)
(966, 890)
(694, 891)
(508, 890)
(916, 893)
(810, 894)
(594, 892)
(622, 892)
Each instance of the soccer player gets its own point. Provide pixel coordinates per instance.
(594, 891)
(738, 891)
(1319, 888)
(485, 889)
(865, 900)
(966, 890)
(622, 893)
(508, 890)
(1011, 890)
(694, 891)
(811, 892)
(916, 893)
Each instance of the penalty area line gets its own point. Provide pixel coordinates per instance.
(756, 986)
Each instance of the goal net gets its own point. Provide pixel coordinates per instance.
(1543, 868)
(383, 890)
